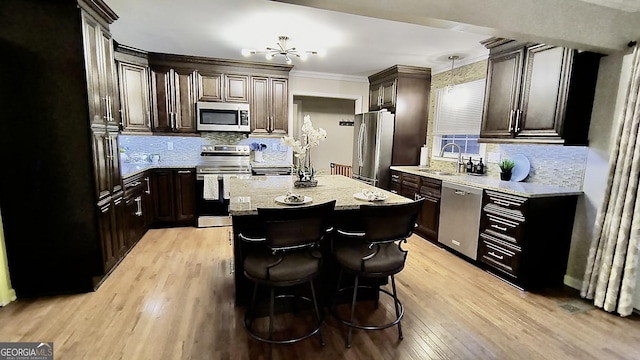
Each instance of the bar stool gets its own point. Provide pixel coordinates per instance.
(290, 257)
(375, 253)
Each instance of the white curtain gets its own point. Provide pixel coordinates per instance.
(7, 294)
(612, 265)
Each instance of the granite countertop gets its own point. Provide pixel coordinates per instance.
(130, 169)
(525, 189)
(250, 193)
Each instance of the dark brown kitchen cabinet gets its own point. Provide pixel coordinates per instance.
(106, 161)
(404, 91)
(173, 100)
(269, 104)
(429, 218)
(133, 83)
(526, 240)
(71, 172)
(100, 71)
(138, 207)
(111, 219)
(538, 93)
(215, 86)
(174, 197)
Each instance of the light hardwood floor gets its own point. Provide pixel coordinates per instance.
(172, 298)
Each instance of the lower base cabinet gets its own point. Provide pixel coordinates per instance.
(138, 207)
(174, 197)
(113, 242)
(526, 240)
(417, 187)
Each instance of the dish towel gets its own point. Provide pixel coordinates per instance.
(210, 191)
(225, 186)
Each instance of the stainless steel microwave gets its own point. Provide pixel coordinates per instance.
(214, 116)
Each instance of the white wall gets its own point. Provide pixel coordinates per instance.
(329, 86)
(327, 113)
(613, 77)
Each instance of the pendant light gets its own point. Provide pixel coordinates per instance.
(451, 84)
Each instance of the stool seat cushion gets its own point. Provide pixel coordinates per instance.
(389, 259)
(299, 265)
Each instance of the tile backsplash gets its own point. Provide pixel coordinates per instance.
(138, 148)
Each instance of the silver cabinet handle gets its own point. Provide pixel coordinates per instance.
(108, 148)
(499, 257)
(230, 238)
(184, 172)
(393, 191)
(138, 201)
(106, 109)
(498, 202)
(499, 227)
(518, 113)
(511, 120)
(148, 191)
(460, 192)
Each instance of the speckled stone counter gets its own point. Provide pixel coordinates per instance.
(129, 169)
(525, 189)
(250, 193)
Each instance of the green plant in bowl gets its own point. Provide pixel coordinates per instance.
(506, 165)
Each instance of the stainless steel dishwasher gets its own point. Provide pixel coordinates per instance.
(460, 208)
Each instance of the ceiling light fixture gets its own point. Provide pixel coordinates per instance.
(451, 84)
(282, 49)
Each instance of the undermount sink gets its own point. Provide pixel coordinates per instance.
(435, 172)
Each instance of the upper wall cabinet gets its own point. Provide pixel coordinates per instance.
(215, 86)
(178, 82)
(173, 102)
(538, 93)
(133, 83)
(269, 99)
(100, 71)
(403, 90)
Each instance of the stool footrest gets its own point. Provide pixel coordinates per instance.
(370, 327)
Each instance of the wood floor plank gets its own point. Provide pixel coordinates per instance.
(172, 297)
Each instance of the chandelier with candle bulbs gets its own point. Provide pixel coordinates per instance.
(281, 50)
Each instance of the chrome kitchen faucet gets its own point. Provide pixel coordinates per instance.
(459, 155)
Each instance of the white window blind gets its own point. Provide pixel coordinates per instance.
(459, 112)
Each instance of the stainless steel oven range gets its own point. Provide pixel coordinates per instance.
(218, 164)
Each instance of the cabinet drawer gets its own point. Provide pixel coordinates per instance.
(430, 187)
(506, 228)
(498, 254)
(394, 188)
(510, 203)
(411, 180)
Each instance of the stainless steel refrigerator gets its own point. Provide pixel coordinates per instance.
(373, 147)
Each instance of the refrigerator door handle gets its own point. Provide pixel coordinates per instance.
(360, 144)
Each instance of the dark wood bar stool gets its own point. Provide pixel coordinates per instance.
(375, 253)
(290, 257)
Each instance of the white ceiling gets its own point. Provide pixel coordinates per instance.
(361, 37)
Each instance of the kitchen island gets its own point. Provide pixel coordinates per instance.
(250, 193)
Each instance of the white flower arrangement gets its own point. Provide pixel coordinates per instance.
(311, 137)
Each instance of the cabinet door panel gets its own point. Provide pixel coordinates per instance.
(162, 118)
(388, 89)
(185, 102)
(428, 221)
(209, 86)
(162, 189)
(259, 105)
(110, 80)
(185, 195)
(279, 113)
(236, 88)
(542, 86)
(501, 95)
(374, 97)
(91, 34)
(134, 97)
(120, 241)
(100, 147)
(107, 236)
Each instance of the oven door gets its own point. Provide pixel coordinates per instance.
(212, 212)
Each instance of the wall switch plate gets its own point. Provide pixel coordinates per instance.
(169, 145)
(493, 157)
(283, 147)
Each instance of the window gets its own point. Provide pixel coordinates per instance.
(458, 115)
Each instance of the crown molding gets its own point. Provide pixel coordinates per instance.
(328, 76)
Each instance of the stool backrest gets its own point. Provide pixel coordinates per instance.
(296, 227)
(388, 223)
